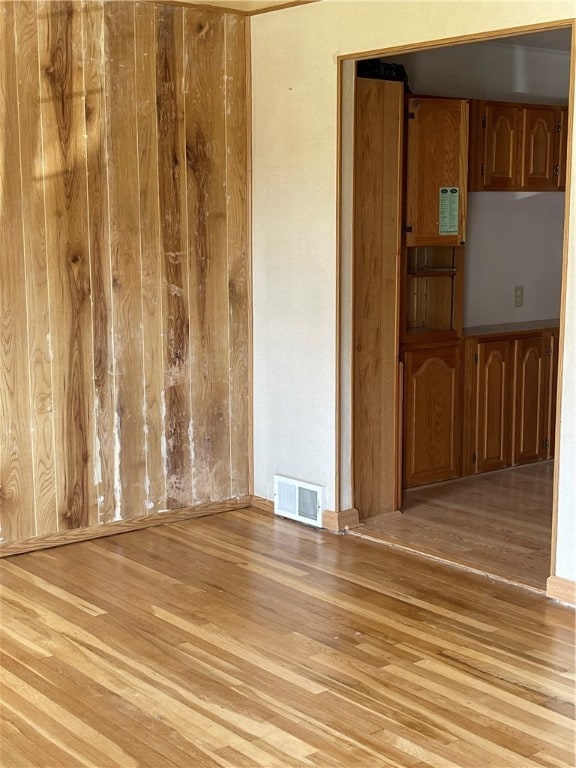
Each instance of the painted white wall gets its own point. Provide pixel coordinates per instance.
(513, 238)
(295, 104)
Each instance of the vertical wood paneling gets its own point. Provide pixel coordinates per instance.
(16, 465)
(207, 242)
(67, 249)
(239, 274)
(124, 290)
(124, 219)
(174, 257)
(145, 41)
(99, 245)
(37, 298)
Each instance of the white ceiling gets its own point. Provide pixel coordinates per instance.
(550, 40)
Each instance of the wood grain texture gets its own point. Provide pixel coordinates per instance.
(124, 223)
(206, 167)
(494, 388)
(238, 137)
(68, 255)
(240, 640)
(95, 107)
(37, 295)
(529, 417)
(148, 520)
(377, 200)
(432, 415)
(437, 156)
(175, 266)
(119, 248)
(497, 523)
(16, 461)
(150, 226)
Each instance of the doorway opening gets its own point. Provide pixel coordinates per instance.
(372, 428)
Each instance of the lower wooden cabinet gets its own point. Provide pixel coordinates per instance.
(432, 408)
(493, 403)
(509, 403)
(530, 393)
(552, 380)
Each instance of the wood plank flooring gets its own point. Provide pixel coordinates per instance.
(498, 523)
(242, 640)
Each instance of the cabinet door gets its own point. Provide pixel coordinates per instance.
(538, 148)
(493, 430)
(501, 148)
(551, 394)
(561, 148)
(529, 400)
(437, 169)
(432, 415)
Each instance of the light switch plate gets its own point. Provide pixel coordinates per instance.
(518, 295)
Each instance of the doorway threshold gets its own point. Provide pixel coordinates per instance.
(496, 525)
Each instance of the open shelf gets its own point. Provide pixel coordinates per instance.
(432, 292)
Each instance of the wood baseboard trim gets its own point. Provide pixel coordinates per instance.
(123, 526)
(340, 521)
(561, 589)
(331, 521)
(266, 505)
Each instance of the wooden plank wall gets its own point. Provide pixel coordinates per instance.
(124, 267)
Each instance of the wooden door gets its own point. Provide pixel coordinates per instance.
(529, 419)
(432, 415)
(501, 146)
(377, 199)
(561, 147)
(551, 394)
(437, 170)
(538, 148)
(493, 394)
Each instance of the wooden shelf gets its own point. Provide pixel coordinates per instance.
(440, 272)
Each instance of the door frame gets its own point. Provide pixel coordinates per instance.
(345, 265)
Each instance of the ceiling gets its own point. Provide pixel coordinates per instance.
(250, 6)
(549, 39)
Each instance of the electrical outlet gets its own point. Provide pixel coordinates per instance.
(518, 295)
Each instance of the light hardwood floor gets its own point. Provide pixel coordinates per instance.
(242, 640)
(498, 523)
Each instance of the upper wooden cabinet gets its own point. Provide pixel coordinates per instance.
(519, 147)
(539, 163)
(562, 141)
(437, 171)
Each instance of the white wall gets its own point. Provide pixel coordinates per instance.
(294, 69)
(513, 238)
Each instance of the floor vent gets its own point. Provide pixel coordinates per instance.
(298, 500)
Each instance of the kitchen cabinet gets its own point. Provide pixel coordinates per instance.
(551, 395)
(530, 388)
(436, 171)
(432, 399)
(435, 232)
(517, 147)
(493, 379)
(509, 396)
(562, 144)
(538, 163)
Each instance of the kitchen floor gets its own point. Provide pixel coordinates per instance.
(498, 523)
